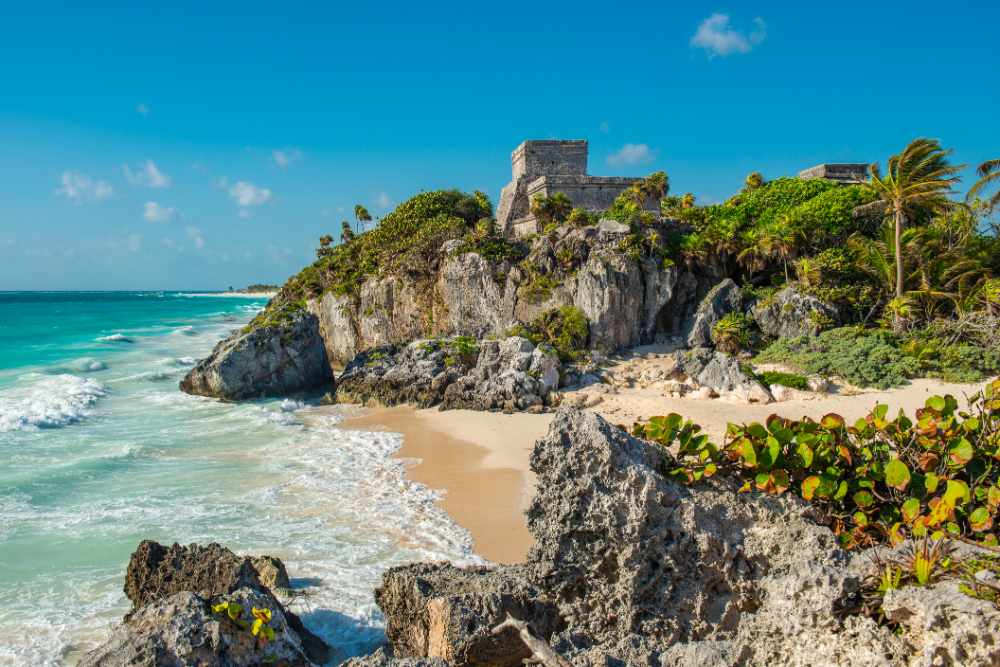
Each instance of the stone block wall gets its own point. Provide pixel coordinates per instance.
(842, 173)
(537, 158)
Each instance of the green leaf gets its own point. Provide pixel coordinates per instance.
(827, 485)
(956, 490)
(770, 453)
(863, 498)
(757, 431)
(935, 403)
(841, 491)
(980, 520)
(961, 451)
(897, 475)
(831, 421)
(805, 454)
(255, 628)
(931, 482)
(911, 509)
(783, 435)
(809, 486)
(235, 609)
(880, 411)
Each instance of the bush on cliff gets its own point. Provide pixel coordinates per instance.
(405, 240)
(564, 328)
(879, 480)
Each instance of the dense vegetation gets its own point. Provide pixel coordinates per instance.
(916, 273)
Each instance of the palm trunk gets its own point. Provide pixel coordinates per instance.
(786, 270)
(899, 253)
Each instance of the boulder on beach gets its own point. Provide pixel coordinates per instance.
(791, 314)
(275, 358)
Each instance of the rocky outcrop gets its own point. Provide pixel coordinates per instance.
(725, 298)
(276, 358)
(460, 373)
(440, 611)
(719, 372)
(791, 314)
(181, 629)
(645, 571)
(156, 571)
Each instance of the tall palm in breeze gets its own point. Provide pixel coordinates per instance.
(362, 216)
(921, 176)
(989, 175)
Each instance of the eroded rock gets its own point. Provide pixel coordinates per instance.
(285, 358)
(791, 314)
(722, 300)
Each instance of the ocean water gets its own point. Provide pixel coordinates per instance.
(99, 449)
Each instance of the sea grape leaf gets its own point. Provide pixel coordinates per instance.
(961, 451)
(911, 509)
(809, 486)
(863, 498)
(897, 475)
(980, 520)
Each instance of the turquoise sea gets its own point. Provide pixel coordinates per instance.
(99, 449)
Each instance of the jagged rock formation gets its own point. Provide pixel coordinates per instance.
(724, 299)
(437, 610)
(645, 571)
(181, 629)
(719, 372)
(791, 314)
(509, 374)
(262, 360)
(156, 572)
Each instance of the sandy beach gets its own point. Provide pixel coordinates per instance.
(479, 460)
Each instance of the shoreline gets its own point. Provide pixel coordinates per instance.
(244, 295)
(479, 461)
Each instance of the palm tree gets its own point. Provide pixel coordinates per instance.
(687, 201)
(782, 238)
(754, 253)
(362, 216)
(989, 173)
(551, 209)
(348, 233)
(657, 185)
(754, 181)
(921, 176)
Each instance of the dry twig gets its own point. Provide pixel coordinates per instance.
(541, 652)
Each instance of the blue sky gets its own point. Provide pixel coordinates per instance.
(202, 145)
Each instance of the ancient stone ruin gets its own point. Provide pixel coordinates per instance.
(842, 174)
(548, 167)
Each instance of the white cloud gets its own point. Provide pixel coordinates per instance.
(605, 127)
(8, 241)
(248, 194)
(79, 187)
(631, 155)
(156, 213)
(245, 213)
(247, 256)
(168, 241)
(134, 242)
(226, 257)
(325, 213)
(220, 182)
(142, 108)
(287, 156)
(718, 39)
(382, 199)
(200, 166)
(195, 234)
(148, 175)
(340, 209)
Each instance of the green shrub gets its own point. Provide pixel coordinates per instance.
(880, 480)
(732, 333)
(863, 358)
(539, 289)
(785, 379)
(564, 328)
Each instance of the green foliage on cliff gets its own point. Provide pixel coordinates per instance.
(405, 241)
(565, 328)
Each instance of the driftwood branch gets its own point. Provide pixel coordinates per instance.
(541, 652)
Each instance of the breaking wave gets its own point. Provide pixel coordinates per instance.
(50, 402)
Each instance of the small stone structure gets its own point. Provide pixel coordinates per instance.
(547, 167)
(842, 174)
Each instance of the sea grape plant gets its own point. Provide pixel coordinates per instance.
(260, 627)
(879, 480)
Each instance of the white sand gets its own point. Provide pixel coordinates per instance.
(480, 459)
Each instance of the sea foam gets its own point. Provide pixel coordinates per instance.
(49, 402)
(115, 338)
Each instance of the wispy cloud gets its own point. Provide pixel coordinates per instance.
(718, 39)
(195, 235)
(248, 194)
(605, 127)
(134, 242)
(275, 253)
(220, 182)
(147, 175)
(79, 187)
(142, 108)
(198, 165)
(382, 198)
(325, 213)
(245, 213)
(631, 155)
(287, 156)
(155, 213)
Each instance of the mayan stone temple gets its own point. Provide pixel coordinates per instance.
(548, 167)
